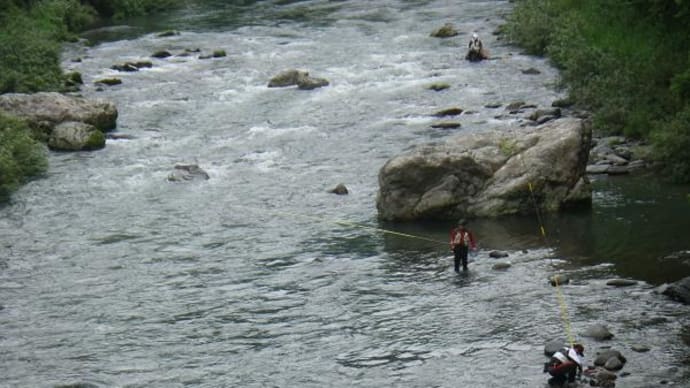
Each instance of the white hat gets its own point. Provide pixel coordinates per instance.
(475, 36)
(572, 354)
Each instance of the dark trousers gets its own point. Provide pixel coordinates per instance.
(562, 372)
(460, 255)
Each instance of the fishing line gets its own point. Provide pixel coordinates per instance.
(349, 223)
(555, 279)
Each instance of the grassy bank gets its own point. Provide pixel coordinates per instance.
(625, 61)
(31, 35)
(21, 156)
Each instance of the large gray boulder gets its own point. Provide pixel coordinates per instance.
(488, 174)
(76, 136)
(47, 109)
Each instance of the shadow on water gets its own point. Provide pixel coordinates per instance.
(634, 224)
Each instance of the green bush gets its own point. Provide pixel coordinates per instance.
(30, 40)
(29, 57)
(627, 62)
(529, 25)
(119, 9)
(21, 157)
(672, 143)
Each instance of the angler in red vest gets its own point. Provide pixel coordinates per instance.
(461, 240)
(565, 364)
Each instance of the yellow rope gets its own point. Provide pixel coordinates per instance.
(559, 294)
(362, 226)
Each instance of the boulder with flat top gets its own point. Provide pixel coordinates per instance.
(489, 174)
(48, 109)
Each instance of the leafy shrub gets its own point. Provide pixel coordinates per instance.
(529, 25)
(119, 9)
(672, 142)
(29, 56)
(30, 44)
(21, 157)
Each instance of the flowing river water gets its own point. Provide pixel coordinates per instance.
(110, 276)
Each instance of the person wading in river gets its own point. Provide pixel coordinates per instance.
(461, 240)
(475, 50)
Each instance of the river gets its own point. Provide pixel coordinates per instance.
(110, 276)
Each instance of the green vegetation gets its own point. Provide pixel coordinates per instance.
(21, 157)
(508, 147)
(628, 62)
(31, 34)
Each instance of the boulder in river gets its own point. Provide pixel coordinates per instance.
(446, 31)
(489, 174)
(76, 136)
(187, 172)
(300, 78)
(679, 291)
(287, 78)
(47, 109)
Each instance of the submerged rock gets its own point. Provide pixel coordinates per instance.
(598, 332)
(501, 266)
(187, 172)
(621, 282)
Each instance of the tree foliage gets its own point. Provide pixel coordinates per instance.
(21, 157)
(31, 34)
(626, 61)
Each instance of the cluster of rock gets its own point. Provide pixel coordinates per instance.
(66, 123)
(132, 66)
(608, 363)
(531, 114)
(443, 114)
(616, 155)
(612, 155)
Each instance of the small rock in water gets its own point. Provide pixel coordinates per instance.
(598, 332)
(187, 172)
(341, 189)
(621, 282)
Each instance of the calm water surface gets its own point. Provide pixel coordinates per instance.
(258, 277)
